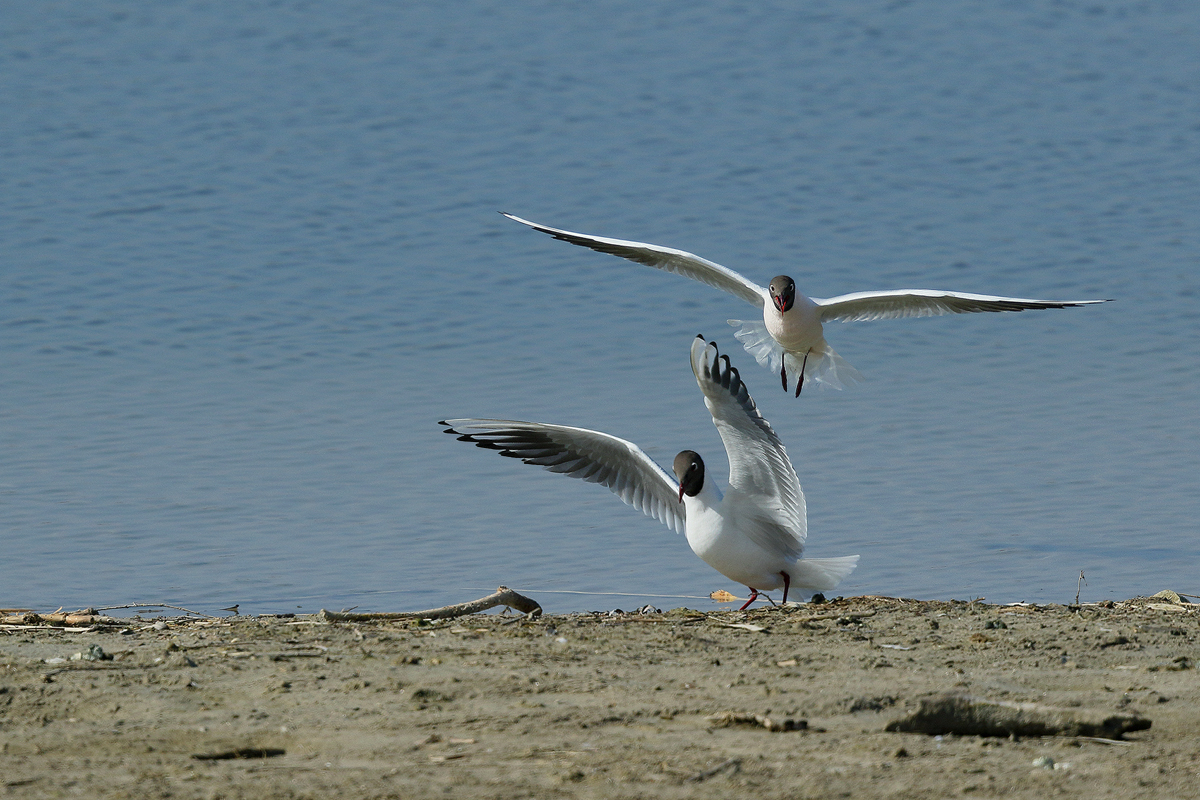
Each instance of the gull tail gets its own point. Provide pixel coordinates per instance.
(821, 574)
(824, 366)
(758, 342)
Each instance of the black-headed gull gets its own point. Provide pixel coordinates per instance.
(790, 337)
(753, 533)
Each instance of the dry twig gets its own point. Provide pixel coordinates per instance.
(850, 615)
(736, 763)
(159, 605)
(730, 718)
(503, 596)
(57, 619)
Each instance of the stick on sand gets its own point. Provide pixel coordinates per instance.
(503, 596)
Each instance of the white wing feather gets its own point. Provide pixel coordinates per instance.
(759, 468)
(664, 258)
(926, 303)
(592, 456)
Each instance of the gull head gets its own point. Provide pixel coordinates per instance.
(783, 292)
(689, 469)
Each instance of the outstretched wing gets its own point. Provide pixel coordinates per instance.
(926, 303)
(759, 469)
(664, 258)
(580, 453)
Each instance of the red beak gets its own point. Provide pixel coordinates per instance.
(681, 492)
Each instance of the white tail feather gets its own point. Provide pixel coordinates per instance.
(824, 366)
(821, 574)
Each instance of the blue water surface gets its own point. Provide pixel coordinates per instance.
(251, 256)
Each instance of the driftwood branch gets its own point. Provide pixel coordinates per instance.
(730, 718)
(87, 616)
(160, 605)
(853, 616)
(973, 716)
(240, 752)
(735, 763)
(58, 619)
(503, 596)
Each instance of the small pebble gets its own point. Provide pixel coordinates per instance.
(94, 653)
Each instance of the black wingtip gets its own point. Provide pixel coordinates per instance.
(723, 376)
(486, 445)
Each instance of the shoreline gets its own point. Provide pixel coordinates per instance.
(777, 702)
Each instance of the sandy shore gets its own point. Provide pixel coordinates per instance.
(600, 705)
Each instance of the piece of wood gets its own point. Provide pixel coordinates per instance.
(853, 616)
(503, 596)
(735, 763)
(730, 718)
(160, 605)
(58, 618)
(88, 616)
(240, 752)
(746, 626)
(965, 715)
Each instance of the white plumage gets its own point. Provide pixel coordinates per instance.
(790, 339)
(753, 533)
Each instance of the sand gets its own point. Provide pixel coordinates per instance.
(769, 703)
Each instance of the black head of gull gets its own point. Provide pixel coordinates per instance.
(783, 292)
(689, 469)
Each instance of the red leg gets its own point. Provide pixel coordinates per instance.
(800, 384)
(753, 597)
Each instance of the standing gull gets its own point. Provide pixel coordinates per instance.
(753, 533)
(790, 337)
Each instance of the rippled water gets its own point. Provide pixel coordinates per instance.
(251, 256)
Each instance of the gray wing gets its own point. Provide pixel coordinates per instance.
(760, 472)
(926, 303)
(580, 453)
(664, 258)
